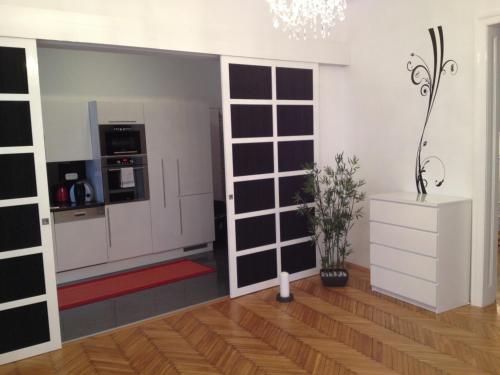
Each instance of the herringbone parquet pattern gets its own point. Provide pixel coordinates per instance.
(324, 331)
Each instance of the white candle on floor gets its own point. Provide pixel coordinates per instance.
(284, 285)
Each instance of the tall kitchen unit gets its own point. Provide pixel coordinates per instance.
(116, 126)
(180, 174)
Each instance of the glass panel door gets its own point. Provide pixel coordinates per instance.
(270, 133)
(29, 316)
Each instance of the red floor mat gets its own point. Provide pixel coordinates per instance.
(128, 282)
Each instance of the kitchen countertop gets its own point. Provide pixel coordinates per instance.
(75, 206)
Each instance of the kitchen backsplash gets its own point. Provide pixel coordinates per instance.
(56, 172)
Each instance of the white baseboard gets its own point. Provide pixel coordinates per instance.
(105, 268)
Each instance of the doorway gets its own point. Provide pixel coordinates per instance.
(484, 267)
(176, 98)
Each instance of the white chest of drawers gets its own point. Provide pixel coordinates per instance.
(420, 249)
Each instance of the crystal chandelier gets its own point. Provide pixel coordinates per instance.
(298, 17)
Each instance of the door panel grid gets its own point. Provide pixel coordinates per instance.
(29, 316)
(250, 168)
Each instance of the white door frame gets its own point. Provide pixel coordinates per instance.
(485, 150)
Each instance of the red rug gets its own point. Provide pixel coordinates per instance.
(128, 282)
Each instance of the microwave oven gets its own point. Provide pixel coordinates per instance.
(116, 140)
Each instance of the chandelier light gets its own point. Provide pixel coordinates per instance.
(300, 17)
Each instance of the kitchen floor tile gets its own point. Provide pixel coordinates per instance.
(95, 317)
(87, 319)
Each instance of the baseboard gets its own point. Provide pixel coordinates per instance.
(126, 264)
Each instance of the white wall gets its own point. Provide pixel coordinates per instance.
(226, 27)
(372, 109)
(94, 74)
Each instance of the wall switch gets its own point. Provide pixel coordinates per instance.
(71, 176)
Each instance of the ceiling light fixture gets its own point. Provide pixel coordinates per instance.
(300, 17)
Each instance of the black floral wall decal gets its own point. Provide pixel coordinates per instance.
(428, 79)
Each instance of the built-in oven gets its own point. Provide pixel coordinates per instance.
(122, 139)
(125, 178)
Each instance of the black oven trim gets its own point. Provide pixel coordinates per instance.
(120, 128)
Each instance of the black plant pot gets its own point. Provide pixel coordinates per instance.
(334, 277)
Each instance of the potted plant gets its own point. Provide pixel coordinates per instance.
(329, 201)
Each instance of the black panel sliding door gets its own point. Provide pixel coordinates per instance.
(29, 318)
(270, 132)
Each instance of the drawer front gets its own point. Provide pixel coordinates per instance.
(407, 215)
(404, 285)
(80, 243)
(78, 214)
(412, 264)
(417, 241)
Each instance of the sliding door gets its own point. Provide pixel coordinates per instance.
(270, 111)
(29, 318)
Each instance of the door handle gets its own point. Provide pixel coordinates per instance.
(125, 152)
(163, 183)
(178, 178)
(109, 227)
(180, 215)
(119, 169)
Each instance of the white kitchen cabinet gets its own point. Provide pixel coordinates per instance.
(420, 249)
(163, 175)
(179, 155)
(197, 214)
(80, 238)
(129, 230)
(66, 130)
(119, 112)
(194, 155)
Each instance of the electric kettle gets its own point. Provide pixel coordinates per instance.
(62, 195)
(81, 192)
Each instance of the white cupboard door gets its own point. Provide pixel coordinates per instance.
(66, 130)
(129, 230)
(120, 113)
(197, 215)
(165, 207)
(81, 243)
(163, 178)
(195, 157)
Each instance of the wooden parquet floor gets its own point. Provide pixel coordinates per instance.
(337, 331)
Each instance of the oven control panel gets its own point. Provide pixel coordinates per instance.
(124, 161)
